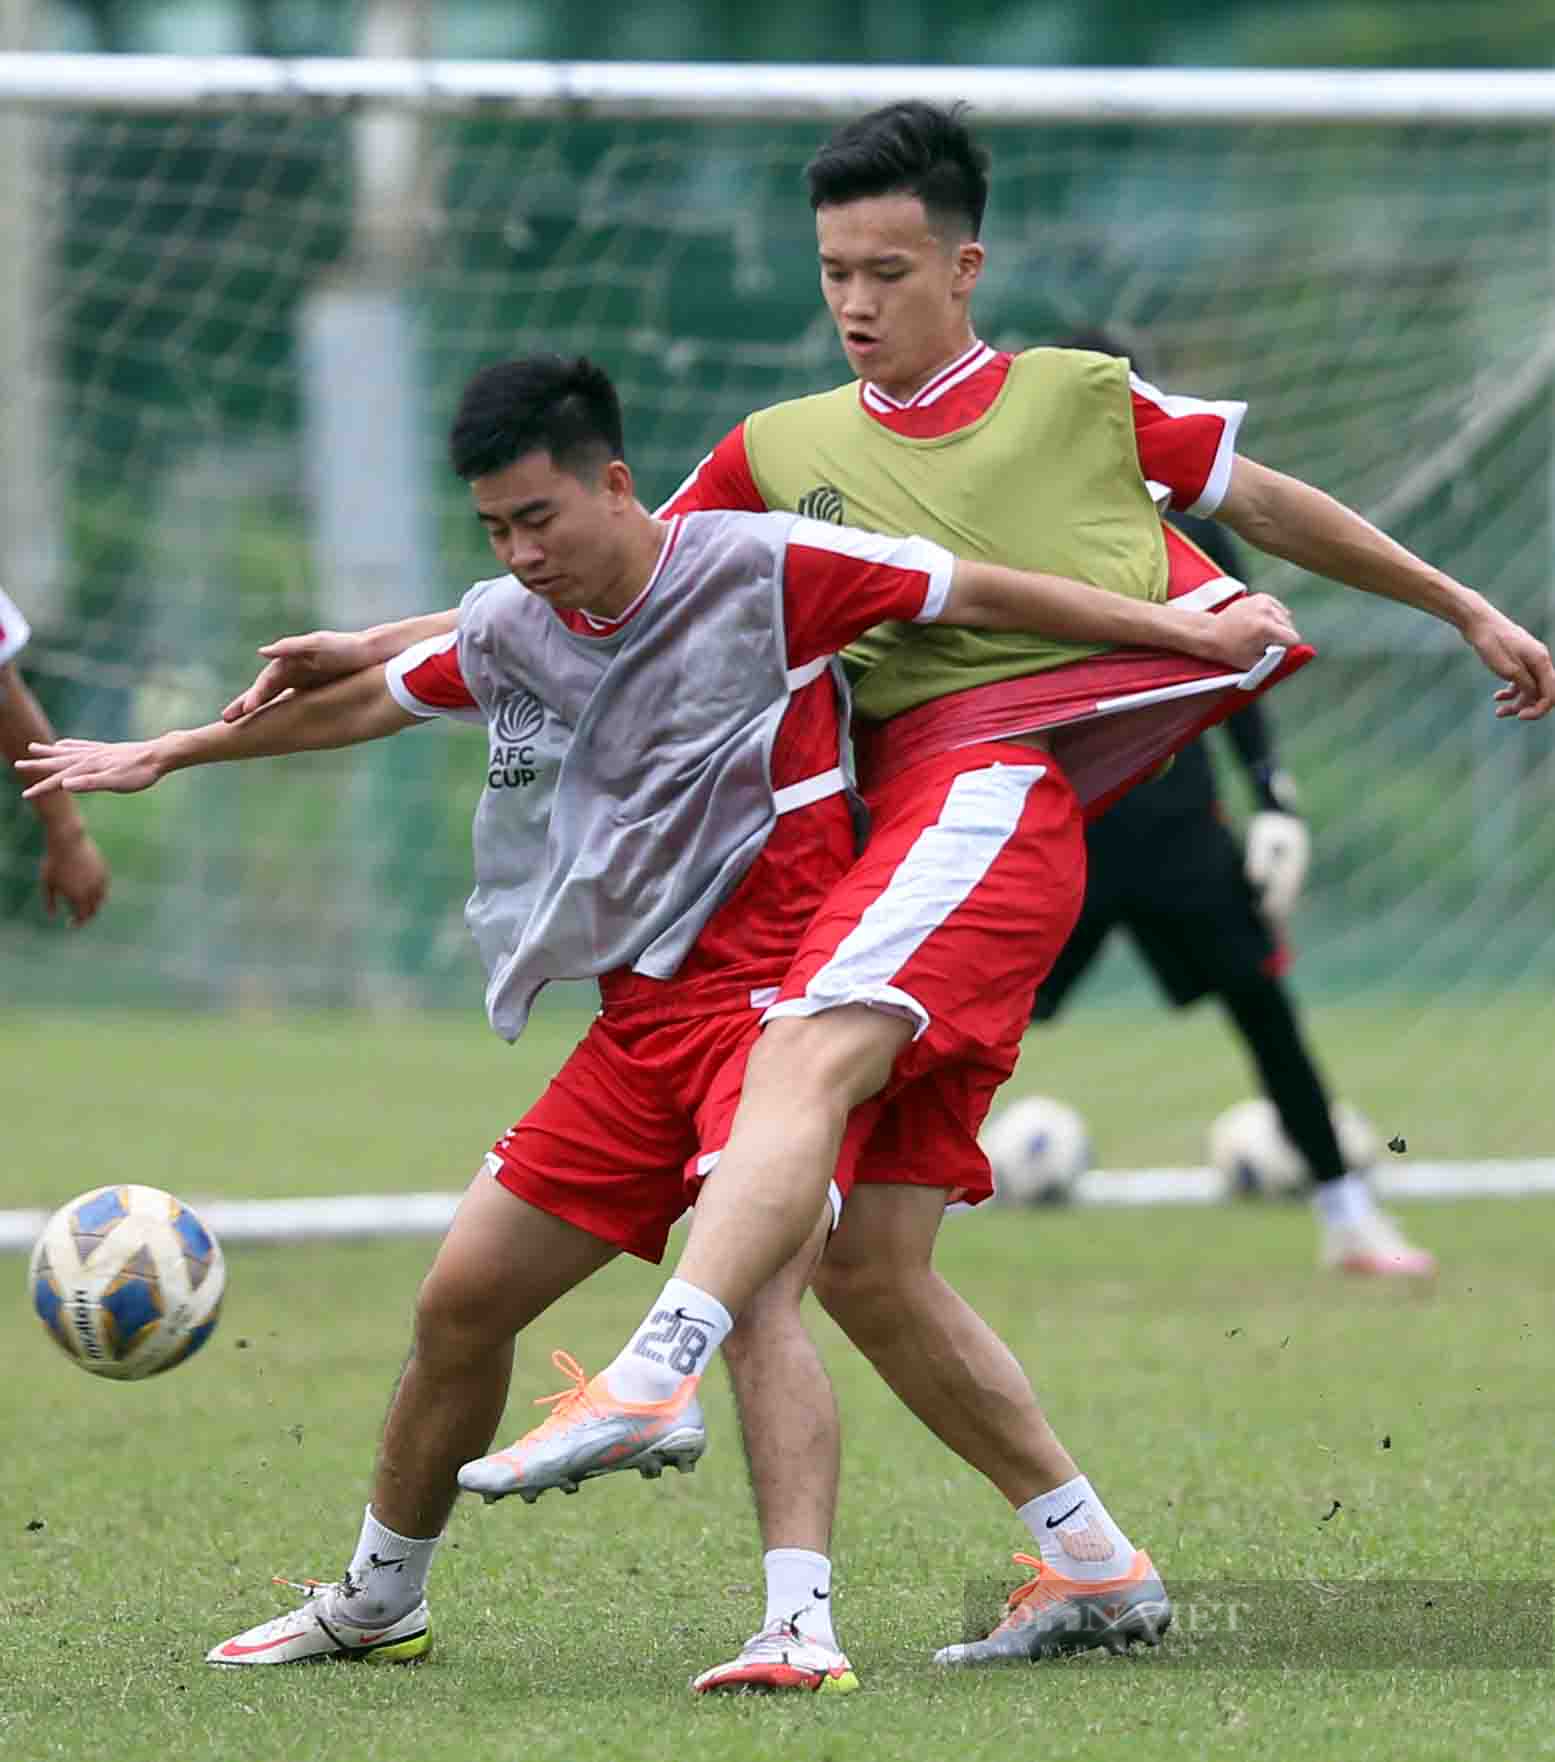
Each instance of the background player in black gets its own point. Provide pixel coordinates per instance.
(1207, 913)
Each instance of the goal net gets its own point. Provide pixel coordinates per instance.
(240, 299)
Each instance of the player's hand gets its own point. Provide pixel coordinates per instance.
(73, 873)
(1276, 856)
(1248, 626)
(1518, 657)
(301, 663)
(87, 767)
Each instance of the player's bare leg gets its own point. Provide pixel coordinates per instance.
(1091, 1586)
(805, 1076)
(502, 1263)
(787, 1408)
(788, 1420)
(756, 1210)
(937, 1354)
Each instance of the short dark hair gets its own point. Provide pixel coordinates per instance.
(543, 403)
(913, 148)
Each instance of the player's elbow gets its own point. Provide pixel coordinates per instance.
(1261, 505)
(973, 601)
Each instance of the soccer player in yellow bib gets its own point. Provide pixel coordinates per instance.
(915, 983)
(912, 990)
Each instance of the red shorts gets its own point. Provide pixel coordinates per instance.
(623, 1134)
(970, 884)
(925, 1134)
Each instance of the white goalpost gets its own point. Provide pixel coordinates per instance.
(237, 297)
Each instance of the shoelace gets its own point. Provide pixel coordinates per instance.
(309, 1587)
(783, 1629)
(1043, 1588)
(563, 1403)
(1036, 1586)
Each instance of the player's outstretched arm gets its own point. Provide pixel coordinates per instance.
(350, 711)
(73, 872)
(304, 663)
(1291, 519)
(995, 598)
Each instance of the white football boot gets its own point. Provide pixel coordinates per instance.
(781, 1656)
(591, 1432)
(319, 1630)
(1375, 1247)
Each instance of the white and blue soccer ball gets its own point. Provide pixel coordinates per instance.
(1248, 1146)
(1039, 1148)
(127, 1281)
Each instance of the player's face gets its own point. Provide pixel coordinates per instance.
(898, 292)
(564, 536)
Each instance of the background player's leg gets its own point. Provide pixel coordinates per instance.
(1356, 1236)
(1266, 1020)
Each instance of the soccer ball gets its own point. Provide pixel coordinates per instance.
(1039, 1148)
(1248, 1146)
(127, 1280)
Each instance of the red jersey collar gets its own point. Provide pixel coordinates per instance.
(958, 394)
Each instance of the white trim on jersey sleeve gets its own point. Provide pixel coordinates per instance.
(1230, 412)
(14, 629)
(920, 555)
(394, 677)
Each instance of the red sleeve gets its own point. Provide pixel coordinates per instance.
(722, 480)
(1186, 446)
(839, 582)
(426, 680)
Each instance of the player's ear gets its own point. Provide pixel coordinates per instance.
(619, 482)
(970, 256)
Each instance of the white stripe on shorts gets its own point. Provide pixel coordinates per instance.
(943, 868)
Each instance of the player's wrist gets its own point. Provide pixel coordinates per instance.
(381, 643)
(1205, 636)
(181, 747)
(1461, 607)
(61, 820)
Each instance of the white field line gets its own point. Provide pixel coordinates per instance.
(348, 1216)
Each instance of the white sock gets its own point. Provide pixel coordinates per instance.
(387, 1575)
(799, 1590)
(1346, 1200)
(1075, 1532)
(681, 1332)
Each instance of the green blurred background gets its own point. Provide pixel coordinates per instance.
(1379, 295)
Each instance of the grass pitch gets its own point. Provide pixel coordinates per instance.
(1224, 1398)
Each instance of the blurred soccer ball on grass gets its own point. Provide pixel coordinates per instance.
(1039, 1147)
(1248, 1146)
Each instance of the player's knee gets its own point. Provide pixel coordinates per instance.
(863, 1296)
(451, 1321)
(839, 1057)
